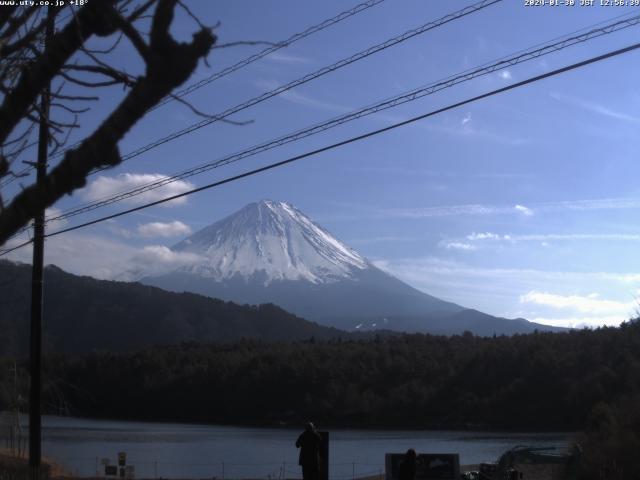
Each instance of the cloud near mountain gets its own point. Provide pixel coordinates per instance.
(270, 252)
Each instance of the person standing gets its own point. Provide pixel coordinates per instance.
(309, 444)
(407, 469)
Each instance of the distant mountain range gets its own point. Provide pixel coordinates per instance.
(271, 252)
(83, 314)
(267, 254)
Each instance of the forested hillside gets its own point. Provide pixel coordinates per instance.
(540, 381)
(83, 314)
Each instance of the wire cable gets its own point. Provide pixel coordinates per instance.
(518, 57)
(522, 56)
(350, 140)
(6, 251)
(307, 78)
(267, 51)
(323, 71)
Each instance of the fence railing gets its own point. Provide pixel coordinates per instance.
(215, 470)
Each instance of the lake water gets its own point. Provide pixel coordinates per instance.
(206, 451)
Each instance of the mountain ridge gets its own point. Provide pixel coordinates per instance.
(272, 252)
(275, 236)
(82, 314)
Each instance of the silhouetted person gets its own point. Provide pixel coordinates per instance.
(407, 469)
(309, 444)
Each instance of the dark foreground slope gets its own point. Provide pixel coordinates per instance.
(84, 314)
(540, 381)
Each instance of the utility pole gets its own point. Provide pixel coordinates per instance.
(35, 357)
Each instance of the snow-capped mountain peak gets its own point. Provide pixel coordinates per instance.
(274, 240)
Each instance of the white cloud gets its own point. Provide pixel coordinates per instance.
(524, 210)
(590, 304)
(54, 225)
(485, 239)
(466, 119)
(298, 98)
(446, 210)
(497, 291)
(366, 211)
(505, 75)
(594, 107)
(581, 322)
(542, 207)
(161, 229)
(76, 253)
(157, 260)
(104, 187)
(483, 236)
(281, 57)
(381, 239)
(116, 229)
(383, 265)
(469, 131)
(593, 204)
(458, 246)
(544, 238)
(309, 101)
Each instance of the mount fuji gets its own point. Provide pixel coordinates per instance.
(270, 252)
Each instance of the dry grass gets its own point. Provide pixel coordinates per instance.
(9, 459)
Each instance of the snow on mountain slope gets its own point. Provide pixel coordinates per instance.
(270, 252)
(272, 239)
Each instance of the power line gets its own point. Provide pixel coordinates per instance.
(535, 51)
(6, 251)
(350, 140)
(307, 78)
(312, 76)
(267, 51)
(520, 57)
(284, 43)
(318, 73)
(25, 171)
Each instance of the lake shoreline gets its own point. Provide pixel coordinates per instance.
(470, 428)
(196, 450)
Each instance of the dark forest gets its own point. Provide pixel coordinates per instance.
(540, 381)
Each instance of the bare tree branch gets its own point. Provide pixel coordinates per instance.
(89, 21)
(14, 24)
(168, 65)
(5, 14)
(140, 11)
(116, 75)
(208, 115)
(134, 36)
(106, 50)
(190, 13)
(21, 43)
(75, 98)
(62, 143)
(69, 109)
(88, 84)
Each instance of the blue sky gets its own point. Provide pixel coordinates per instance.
(521, 205)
